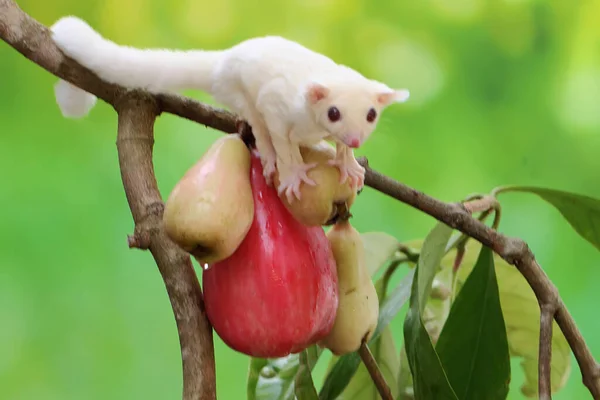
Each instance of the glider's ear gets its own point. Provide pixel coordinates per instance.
(316, 92)
(390, 96)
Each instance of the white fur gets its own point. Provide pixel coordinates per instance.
(73, 101)
(155, 70)
(282, 89)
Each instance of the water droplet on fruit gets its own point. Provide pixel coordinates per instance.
(267, 372)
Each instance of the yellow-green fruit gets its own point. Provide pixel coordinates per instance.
(316, 205)
(210, 210)
(358, 308)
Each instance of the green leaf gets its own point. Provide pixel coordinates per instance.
(393, 304)
(346, 366)
(304, 385)
(379, 247)
(522, 318)
(429, 377)
(432, 252)
(405, 382)
(434, 316)
(254, 373)
(438, 304)
(582, 212)
(473, 346)
(339, 376)
(312, 356)
(274, 378)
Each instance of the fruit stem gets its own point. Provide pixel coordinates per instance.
(408, 255)
(378, 379)
(245, 132)
(388, 275)
(341, 213)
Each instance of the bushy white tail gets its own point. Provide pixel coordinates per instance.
(155, 70)
(73, 101)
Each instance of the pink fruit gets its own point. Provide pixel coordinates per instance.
(277, 293)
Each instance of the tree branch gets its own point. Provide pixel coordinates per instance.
(515, 252)
(135, 139)
(33, 40)
(378, 379)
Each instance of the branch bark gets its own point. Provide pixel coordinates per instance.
(378, 379)
(33, 40)
(136, 115)
(135, 138)
(545, 352)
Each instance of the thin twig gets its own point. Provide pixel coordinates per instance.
(371, 364)
(387, 275)
(484, 203)
(545, 352)
(33, 40)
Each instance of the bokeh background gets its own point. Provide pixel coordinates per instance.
(503, 92)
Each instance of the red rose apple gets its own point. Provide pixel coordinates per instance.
(277, 293)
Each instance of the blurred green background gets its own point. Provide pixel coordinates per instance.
(503, 92)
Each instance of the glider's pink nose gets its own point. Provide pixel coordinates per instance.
(353, 143)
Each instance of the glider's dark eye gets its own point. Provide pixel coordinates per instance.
(334, 114)
(371, 115)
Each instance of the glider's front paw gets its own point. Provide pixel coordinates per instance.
(269, 169)
(350, 169)
(292, 178)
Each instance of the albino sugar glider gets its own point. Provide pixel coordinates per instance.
(289, 95)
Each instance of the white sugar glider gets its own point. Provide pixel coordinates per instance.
(290, 95)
